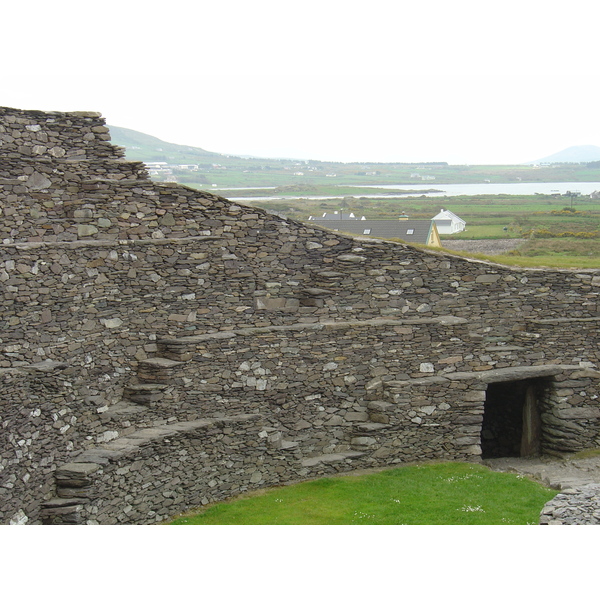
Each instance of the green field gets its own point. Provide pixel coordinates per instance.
(431, 494)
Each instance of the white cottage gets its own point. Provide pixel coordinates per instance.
(448, 222)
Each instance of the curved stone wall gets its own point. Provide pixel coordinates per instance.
(161, 346)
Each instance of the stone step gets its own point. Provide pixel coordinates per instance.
(144, 393)
(329, 458)
(62, 511)
(123, 409)
(370, 427)
(78, 494)
(159, 362)
(75, 475)
(158, 369)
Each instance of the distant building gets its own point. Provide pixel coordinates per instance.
(336, 215)
(447, 222)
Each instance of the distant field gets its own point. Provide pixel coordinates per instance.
(547, 253)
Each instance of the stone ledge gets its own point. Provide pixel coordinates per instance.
(111, 243)
(325, 325)
(497, 375)
(46, 366)
(564, 320)
(327, 458)
(127, 445)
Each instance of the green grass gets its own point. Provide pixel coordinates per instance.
(432, 494)
(565, 253)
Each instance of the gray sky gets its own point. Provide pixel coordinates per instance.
(462, 81)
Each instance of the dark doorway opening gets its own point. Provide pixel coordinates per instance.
(511, 419)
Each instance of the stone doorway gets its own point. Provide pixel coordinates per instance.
(512, 423)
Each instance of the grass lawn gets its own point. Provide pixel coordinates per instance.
(432, 494)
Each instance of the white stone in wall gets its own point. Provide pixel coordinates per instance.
(261, 384)
(57, 152)
(111, 323)
(107, 436)
(86, 230)
(19, 518)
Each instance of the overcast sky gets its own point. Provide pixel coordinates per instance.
(462, 81)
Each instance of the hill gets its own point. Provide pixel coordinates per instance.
(147, 148)
(573, 154)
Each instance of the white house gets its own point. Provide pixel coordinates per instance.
(448, 222)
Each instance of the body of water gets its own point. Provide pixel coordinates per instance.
(514, 189)
(459, 189)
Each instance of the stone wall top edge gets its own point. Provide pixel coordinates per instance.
(32, 112)
(78, 160)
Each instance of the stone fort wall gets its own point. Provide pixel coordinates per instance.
(162, 347)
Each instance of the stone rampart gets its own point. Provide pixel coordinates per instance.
(56, 135)
(189, 348)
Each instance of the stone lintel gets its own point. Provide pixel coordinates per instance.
(499, 375)
(46, 366)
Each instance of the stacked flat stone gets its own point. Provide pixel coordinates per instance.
(579, 506)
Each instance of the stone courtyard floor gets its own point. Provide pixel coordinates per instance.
(556, 473)
(578, 480)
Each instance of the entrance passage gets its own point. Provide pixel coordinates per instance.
(511, 419)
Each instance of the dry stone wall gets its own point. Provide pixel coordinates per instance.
(162, 347)
(29, 133)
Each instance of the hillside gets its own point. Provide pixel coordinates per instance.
(147, 148)
(574, 154)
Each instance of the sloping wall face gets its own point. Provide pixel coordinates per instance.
(162, 346)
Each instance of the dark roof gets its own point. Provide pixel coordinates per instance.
(336, 216)
(410, 230)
